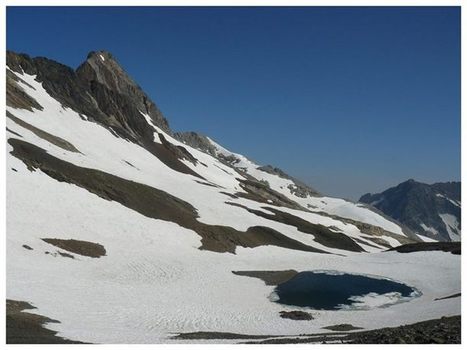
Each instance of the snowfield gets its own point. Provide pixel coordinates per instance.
(154, 281)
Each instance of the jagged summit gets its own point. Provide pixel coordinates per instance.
(101, 67)
(103, 55)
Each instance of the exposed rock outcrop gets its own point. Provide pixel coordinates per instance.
(430, 210)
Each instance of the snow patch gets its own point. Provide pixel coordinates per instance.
(426, 239)
(149, 121)
(429, 229)
(456, 203)
(375, 300)
(452, 226)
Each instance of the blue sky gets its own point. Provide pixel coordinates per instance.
(350, 100)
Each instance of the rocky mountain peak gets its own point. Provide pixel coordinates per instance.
(103, 75)
(102, 54)
(101, 66)
(99, 88)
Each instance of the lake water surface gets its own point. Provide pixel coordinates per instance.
(332, 291)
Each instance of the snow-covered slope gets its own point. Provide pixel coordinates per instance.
(311, 201)
(174, 222)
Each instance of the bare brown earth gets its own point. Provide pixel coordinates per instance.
(179, 151)
(261, 192)
(374, 232)
(170, 155)
(322, 234)
(271, 278)
(229, 194)
(93, 250)
(453, 247)
(151, 202)
(26, 328)
(57, 141)
(127, 162)
(361, 241)
(206, 183)
(445, 330)
(296, 315)
(16, 97)
(216, 335)
(66, 255)
(457, 295)
(13, 132)
(344, 327)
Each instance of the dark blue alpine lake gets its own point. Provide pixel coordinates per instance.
(329, 291)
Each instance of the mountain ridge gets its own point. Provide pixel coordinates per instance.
(427, 209)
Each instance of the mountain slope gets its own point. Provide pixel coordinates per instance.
(430, 210)
(293, 189)
(124, 234)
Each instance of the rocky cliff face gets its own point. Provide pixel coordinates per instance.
(101, 73)
(299, 189)
(431, 210)
(197, 141)
(99, 89)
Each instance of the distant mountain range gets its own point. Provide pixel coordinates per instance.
(430, 210)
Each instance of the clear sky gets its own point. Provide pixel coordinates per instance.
(349, 100)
